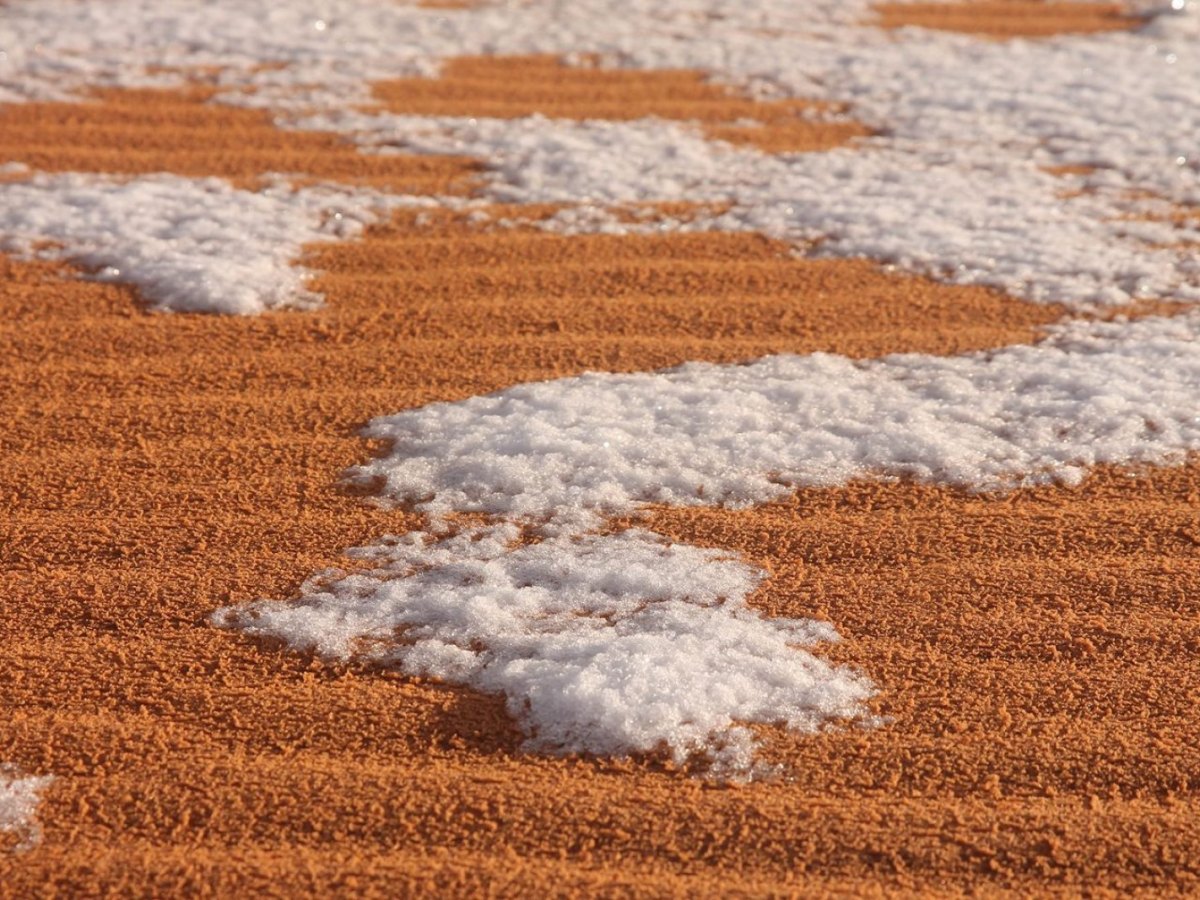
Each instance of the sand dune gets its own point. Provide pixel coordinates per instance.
(1035, 652)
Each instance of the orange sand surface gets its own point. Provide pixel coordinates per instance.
(1010, 18)
(1037, 654)
(135, 132)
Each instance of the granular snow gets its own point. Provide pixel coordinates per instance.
(19, 798)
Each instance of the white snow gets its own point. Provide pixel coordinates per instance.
(187, 244)
(19, 798)
(607, 645)
(570, 451)
(333, 48)
(964, 214)
(953, 186)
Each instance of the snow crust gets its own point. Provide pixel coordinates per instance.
(572, 450)
(603, 644)
(19, 798)
(187, 244)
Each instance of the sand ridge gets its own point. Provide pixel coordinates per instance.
(135, 132)
(515, 86)
(1007, 19)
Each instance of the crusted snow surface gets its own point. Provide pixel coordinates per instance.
(602, 644)
(187, 244)
(19, 798)
(571, 450)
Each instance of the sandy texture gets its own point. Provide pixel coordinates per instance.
(134, 132)
(1010, 18)
(158, 466)
(1037, 652)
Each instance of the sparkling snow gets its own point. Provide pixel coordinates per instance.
(622, 643)
(571, 450)
(19, 798)
(187, 244)
(608, 645)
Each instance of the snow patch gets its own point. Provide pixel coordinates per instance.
(19, 799)
(610, 644)
(965, 214)
(186, 244)
(571, 451)
(953, 186)
(333, 49)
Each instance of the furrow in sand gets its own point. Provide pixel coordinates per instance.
(1008, 19)
(137, 132)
